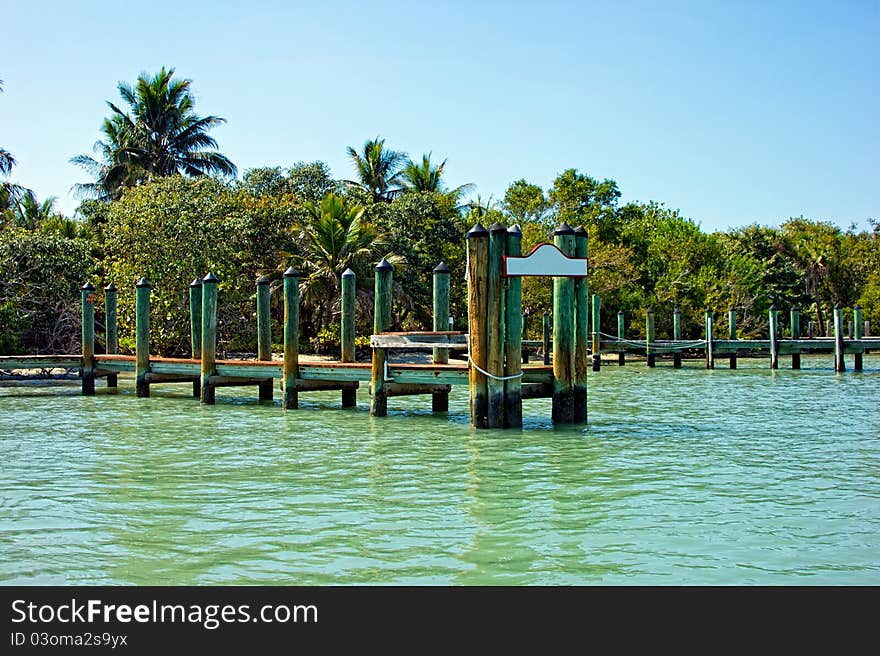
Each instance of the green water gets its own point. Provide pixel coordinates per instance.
(688, 476)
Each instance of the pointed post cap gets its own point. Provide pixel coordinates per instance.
(210, 278)
(514, 230)
(838, 305)
(580, 231)
(563, 229)
(143, 282)
(732, 308)
(477, 231)
(262, 280)
(197, 282)
(441, 268)
(648, 311)
(88, 287)
(348, 273)
(795, 308)
(291, 273)
(384, 265)
(497, 227)
(620, 312)
(676, 310)
(110, 288)
(773, 307)
(857, 307)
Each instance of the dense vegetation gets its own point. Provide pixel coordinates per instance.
(158, 211)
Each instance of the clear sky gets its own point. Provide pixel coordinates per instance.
(734, 112)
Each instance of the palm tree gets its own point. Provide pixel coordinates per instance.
(378, 168)
(333, 237)
(428, 177)
(11, 194)
(159, 135)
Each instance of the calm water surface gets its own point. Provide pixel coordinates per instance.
(688, 476)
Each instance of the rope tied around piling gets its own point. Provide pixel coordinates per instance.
(492, 376)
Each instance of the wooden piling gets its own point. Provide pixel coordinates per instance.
(545, 337)
(347, 330)
(676, 337)
(811, 330)
(142, 337)
(774, 332)
(867, 328)
(478, 270)
(581, 331)
(495, 325)
(88, 339)
(290, 366)
(111, 336)
(264, 333)
(209, 336)
(731, 332)
(563, 334)
(381, 322)
(710, 355)
(839, 347)
(525, 320)
(621, 335)
(649, 337)
(195, 328)
(513, 330)
(596, 332)
(858, 335)
(441, 279)
(795, 335)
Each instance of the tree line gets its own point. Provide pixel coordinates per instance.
(164, 203)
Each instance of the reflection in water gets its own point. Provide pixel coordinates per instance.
(681, 476)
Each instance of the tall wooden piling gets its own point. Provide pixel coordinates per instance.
(581, 331)
(381, 321)
(290, 367)
(731, 332)
(142, 337)
(774, 336)
(525, 320)
(264, 332)
(111, 336)
(649, 337)
(795, 335)
(839, 347)
(195, 328)
(478, 271)
(596, 331)
(545, 337)
(209, 336)
(88, 339)
(441, 280)
(676, 337)
(563, 333)
(495, 325)
(347, 330)
(621, 335)
(513, 330)
(710, 354)
(858, 334)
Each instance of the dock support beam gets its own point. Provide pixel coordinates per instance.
(563, 333)
(649, 337)
(111, 336)
(88, 339)
(195, 328)
(731, 328)
(597, 337)
(513, 351)
(621, 335)
(478, 270)
(710, 355)
(495, 324)
(290, 366)
(441, 278)
(209, 336)
(774, 337)
(142, 337)
(264, 332)
(381, 321)
(858, 335)
(581, 331)
(839, 349)
(795, 335)
(676, 336)
(545, 337)
(347, 330)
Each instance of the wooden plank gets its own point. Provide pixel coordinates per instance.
(160, 367)
(325, 385)
(410, 389)
(170, 378)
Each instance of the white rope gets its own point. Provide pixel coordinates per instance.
(492, 376)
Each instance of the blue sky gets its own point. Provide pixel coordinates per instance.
(733, 112)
